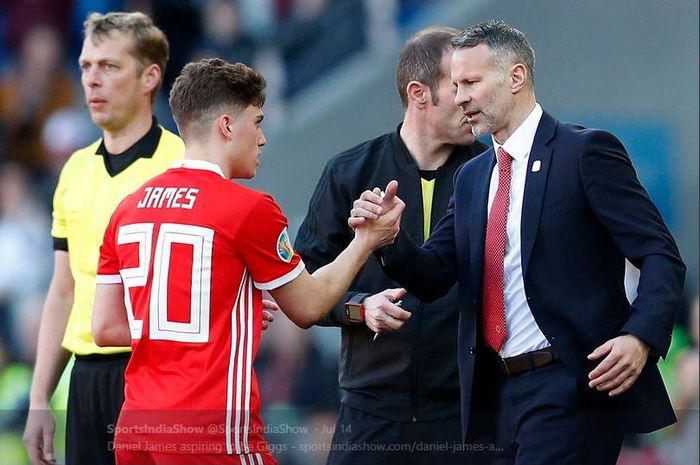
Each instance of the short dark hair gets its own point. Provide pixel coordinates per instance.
(420, 59)
(150, 45)
(212, 85)
(508, 44)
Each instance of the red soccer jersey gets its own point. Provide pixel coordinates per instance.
(193, 251)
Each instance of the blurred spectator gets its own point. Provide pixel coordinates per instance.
(22, 16)
(25, 253)
(684, 446)
(30, 91)
(223, 35)
(181, 22)
(298, 382)
(259, 18)
(64, 132)
(382, 24)
(15, 378)
(317, 36)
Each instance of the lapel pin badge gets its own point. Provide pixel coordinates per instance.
(536, 165)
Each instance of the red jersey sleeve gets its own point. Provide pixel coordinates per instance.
(265, 246)
(108, 265)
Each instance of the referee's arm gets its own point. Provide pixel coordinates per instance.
(51, 360)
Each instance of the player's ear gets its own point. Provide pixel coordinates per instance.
(225, 122)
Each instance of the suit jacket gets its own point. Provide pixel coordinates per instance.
(584, 212)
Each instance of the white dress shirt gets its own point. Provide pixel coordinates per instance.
(523, 334)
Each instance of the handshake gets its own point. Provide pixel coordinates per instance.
(378, 213)
(375, 218)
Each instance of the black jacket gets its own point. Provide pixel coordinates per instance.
(409, 375)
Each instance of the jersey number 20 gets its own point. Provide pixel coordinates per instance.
(160, 327)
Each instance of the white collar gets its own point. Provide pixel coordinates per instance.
(519, 143)
(199, 165)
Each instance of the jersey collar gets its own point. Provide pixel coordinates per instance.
(143, 148)
(199, 165)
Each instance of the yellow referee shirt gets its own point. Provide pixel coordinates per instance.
(90, 187)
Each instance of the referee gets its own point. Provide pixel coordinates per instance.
(122, 63)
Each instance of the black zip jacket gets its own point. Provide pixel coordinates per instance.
(411, 374)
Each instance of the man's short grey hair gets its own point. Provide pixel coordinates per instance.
(509, 45)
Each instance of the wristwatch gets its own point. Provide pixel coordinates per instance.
(354, 310)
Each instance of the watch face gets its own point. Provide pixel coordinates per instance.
(353, 311)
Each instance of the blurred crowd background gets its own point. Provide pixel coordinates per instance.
(629, 66)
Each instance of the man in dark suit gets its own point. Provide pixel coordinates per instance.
(556, 366)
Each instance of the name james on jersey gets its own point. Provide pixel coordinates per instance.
(168, 197)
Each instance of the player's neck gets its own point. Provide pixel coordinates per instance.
(202, 152)
(429, 153)
(119, 140)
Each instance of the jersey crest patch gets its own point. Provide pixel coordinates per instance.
(284, 246)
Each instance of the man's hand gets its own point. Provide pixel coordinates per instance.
(38, 436)
(382, 313)
(625, 357)
(269, 306)
(383, 229)
(373, 204)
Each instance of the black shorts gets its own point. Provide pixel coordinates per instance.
(364, 439)
(95, 397)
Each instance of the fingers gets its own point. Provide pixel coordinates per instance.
(38, 438)
(394, 321)
(600, 351)
(608, 377)
(366, 209)
(624, 386)
(268, 318)
(270, 305)
(34, 451)
(607, 363)
(396, 211)
(374, 197)
(383, 311)
(395, 294)
(390, 191)
(617, 380)
(47, 436)
(355, 222)
(371, 204)
(624, 362)
(398, 314)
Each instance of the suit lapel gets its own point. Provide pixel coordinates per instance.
(535, 183)
(479, 215)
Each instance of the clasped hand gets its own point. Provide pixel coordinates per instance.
(376, 215)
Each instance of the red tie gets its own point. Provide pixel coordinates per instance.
(495, 250)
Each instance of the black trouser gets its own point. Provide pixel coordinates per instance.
(364, 439)
(543, 420)
(95, 397)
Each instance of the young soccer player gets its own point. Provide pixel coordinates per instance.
(182, 267)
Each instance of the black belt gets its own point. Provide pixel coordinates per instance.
(512, 366)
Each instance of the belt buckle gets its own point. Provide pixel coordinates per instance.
(506, 370)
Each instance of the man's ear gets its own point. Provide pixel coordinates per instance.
(225, 122)
(151, 77)
(417, 93)
(518, 78)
